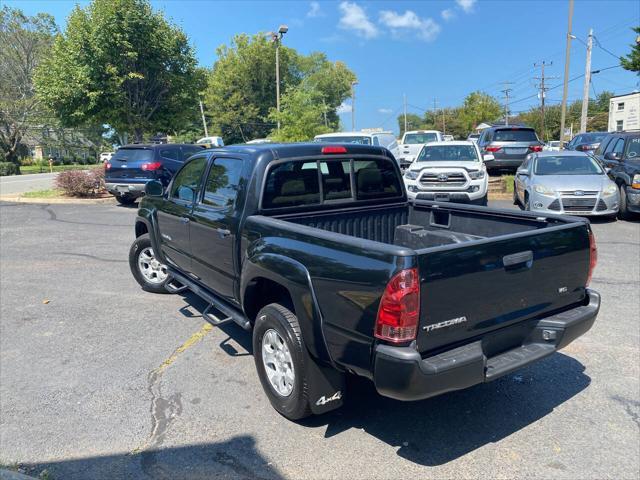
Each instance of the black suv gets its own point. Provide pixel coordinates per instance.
(506, 147)
(619, 152)
(583, 142)
(132, 166)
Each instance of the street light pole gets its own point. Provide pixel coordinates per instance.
(563, 112)
(353, 106)
(276, 37)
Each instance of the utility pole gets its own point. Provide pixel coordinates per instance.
(507, 91)
(404, 97)
(353, 106)
(204, 122)
(587, 82)
(276, 37)
(563, 114)
(543, 93)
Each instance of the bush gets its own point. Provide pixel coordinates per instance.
(8, 168)
(26, 161)
(79, 183)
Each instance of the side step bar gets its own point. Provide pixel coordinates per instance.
(231, 314)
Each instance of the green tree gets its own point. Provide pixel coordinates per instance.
(414, 122)
(632, 61)
(479, 107)
(241, 91)
(120, 63)
(302, 115)
(24, 41)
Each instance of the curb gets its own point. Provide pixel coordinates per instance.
(59, 200)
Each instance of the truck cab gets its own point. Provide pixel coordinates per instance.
(412, 142)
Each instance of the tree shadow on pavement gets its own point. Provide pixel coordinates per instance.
(236, 458)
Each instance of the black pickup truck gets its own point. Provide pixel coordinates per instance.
(316, 249)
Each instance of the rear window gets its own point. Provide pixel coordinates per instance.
(567, 165)
(455, 153)
(416, 138)
(515, 135)
(361, 140)
(133, 154)
(590, 138)
(297, 183)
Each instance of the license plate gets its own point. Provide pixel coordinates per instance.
(516, 151)
(441, 197)
(122, 188)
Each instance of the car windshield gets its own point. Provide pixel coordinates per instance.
(590, 138)
(515, 135)
(633, 150)
(345, 139)
(568, 165)
(448, 153)
(133, 154)
(417, 138)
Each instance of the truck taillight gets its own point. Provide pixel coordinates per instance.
(333, 149)
(535, 148)
(493, 149)
(399, 309)
(593, 256)
(151, 166)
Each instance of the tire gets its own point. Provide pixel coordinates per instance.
(142, 246)
(623, 212)
(276, 317)
(484, 201)
(527, 206)
(515, 195)
(125, 199)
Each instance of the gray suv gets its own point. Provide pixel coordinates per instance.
(506, 147)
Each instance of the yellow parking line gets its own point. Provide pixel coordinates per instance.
(192, 340)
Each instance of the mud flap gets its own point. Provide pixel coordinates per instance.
(326, 387)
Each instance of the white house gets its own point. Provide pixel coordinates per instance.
(624, 112)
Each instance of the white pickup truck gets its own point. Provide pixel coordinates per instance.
(451, 171)
(412, 142)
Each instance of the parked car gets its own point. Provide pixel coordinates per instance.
(382, 139)
(620, 154)
(448, 138)
(316, 249)
(448, 171)
(259, 140)
(134, 165)
(412, 142)
(211, 142)
(105, 156)
(506, 147)
(553, 146)
(584, 142)
(473, 137)
(567, 182)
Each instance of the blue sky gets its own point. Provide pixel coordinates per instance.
(424, 49)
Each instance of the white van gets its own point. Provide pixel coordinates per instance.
(381, 139)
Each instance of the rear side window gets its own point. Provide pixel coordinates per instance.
(515, 135)
(133, 154)
(171, 153)
(603, 145)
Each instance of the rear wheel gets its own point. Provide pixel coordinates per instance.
(146, 268)
(278, 351)
(125, 199)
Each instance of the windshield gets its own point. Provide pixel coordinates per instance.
(590, 138)
(573, 165)
(633, 150)
(417, 138)
(343, 139)
(132, 154)
(515, 135)
(448, 153)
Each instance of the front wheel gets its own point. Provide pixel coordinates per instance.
(623, 212)
(278, 351)
(527, 205)
(125, 199)
(146, 268)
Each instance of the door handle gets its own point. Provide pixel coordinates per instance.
(223, 232)
(184, 220)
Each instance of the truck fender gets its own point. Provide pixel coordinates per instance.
(151, 222)
(326, 382)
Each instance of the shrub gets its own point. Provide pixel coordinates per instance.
(8, 168)
(80, 183)
(27, 161)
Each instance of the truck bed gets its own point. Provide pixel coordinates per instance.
(491, 268)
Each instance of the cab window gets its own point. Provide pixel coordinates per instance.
(223, 181)
(186, 184)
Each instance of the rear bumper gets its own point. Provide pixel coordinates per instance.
(126, 188)
(401, 373)
(504, 163)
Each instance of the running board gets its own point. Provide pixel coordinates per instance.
(230, 313)
(173, 286)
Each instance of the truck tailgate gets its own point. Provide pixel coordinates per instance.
(471, 289)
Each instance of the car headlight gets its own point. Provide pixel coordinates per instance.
(609, 190)
(411, 175)
(476, 175)
(544, 190)
(635, 183)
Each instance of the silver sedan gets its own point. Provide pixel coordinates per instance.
(566, 182)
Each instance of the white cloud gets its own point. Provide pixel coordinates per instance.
(466, 5)
(314, 10)
(385, 110)
(447, 14)
(343, 108)
(355, 18)
(399, 24)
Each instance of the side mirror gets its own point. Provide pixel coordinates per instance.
(154, 188)
(612, 156)
(487, 157)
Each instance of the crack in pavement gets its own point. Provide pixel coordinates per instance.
(629, 406)
(93, 257)
(54, 217)
(163, 410)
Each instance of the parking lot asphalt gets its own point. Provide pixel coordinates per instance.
(101, 380)
(26, 183)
